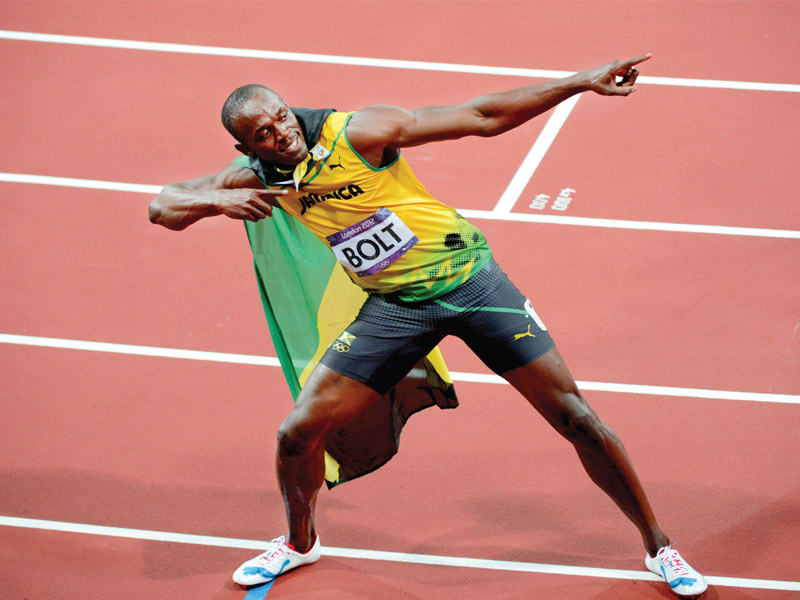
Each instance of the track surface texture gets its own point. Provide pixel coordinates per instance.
(139, 395)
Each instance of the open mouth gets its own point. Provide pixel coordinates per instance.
(292, 146)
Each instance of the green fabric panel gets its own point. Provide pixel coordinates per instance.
(293, 268)
(241, 161)
(276, 334)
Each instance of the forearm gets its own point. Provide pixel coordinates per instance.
(502, 111)
(179, 205)
(235, 192)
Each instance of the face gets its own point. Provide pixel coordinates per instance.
(268, 129)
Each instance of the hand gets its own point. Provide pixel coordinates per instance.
(603, 80)
(247, 204)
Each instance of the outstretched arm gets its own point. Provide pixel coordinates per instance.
(378, 130)
(235, 192)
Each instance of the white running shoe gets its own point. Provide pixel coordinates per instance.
(681, 577)
(278, 559)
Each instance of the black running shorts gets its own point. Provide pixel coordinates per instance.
(488, 312)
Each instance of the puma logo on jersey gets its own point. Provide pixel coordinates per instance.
(337, 165)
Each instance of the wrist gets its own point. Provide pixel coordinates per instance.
(578, 82)
(212, 203)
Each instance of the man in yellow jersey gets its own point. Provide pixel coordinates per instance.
(428, 272)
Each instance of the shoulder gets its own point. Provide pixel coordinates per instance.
(379, 124)
(375, 132)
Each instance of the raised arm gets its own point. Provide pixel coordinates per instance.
(377, 132)
(235, 192)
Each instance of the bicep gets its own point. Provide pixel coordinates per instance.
(231, 177)
(379, 127)
(236, 177)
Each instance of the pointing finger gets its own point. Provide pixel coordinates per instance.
(640, 59)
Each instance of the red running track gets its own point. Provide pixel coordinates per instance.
(184, 446)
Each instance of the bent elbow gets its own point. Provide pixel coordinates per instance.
(158, 215)
(154, 212)
(485, 119)
(495, 125)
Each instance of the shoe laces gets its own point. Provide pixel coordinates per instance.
(276, 556)
(673, 560)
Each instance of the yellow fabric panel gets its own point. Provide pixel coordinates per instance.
(437, 360)
(338, 308)
(331, 469)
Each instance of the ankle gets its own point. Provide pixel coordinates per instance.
(302, 546)
(655, 543)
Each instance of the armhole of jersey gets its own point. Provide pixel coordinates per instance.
(361, 158)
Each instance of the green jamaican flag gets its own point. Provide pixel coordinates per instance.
(309, 301)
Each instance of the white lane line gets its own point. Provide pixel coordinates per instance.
(637, 225)
(91, 184)
(650, 390)
(249, 359)
(381, 555)
(370, 62)
(535, 156)
(47, 342)
(469, 213)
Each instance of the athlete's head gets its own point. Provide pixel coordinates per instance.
(263, 125)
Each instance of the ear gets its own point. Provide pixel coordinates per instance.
(243, 149)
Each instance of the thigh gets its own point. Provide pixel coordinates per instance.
(327, 401)
(497, 321)
(383, 344)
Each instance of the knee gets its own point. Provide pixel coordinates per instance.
(297, 436)
(581, 426)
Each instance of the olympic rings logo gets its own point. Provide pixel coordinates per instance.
(340, 347)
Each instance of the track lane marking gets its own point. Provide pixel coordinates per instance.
(249, 359)
(469, 213)
(534, 158)
(65, 344)
(89, 184)
(385, 63)
(381, 555)
(636, 225)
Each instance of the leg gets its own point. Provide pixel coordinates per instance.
(327, 401)
(549, 387)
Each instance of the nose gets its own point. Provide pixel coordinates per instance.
(281, 131)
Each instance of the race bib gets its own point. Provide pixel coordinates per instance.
(371, 245)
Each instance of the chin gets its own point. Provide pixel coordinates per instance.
(299, 157)
(289, 161)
